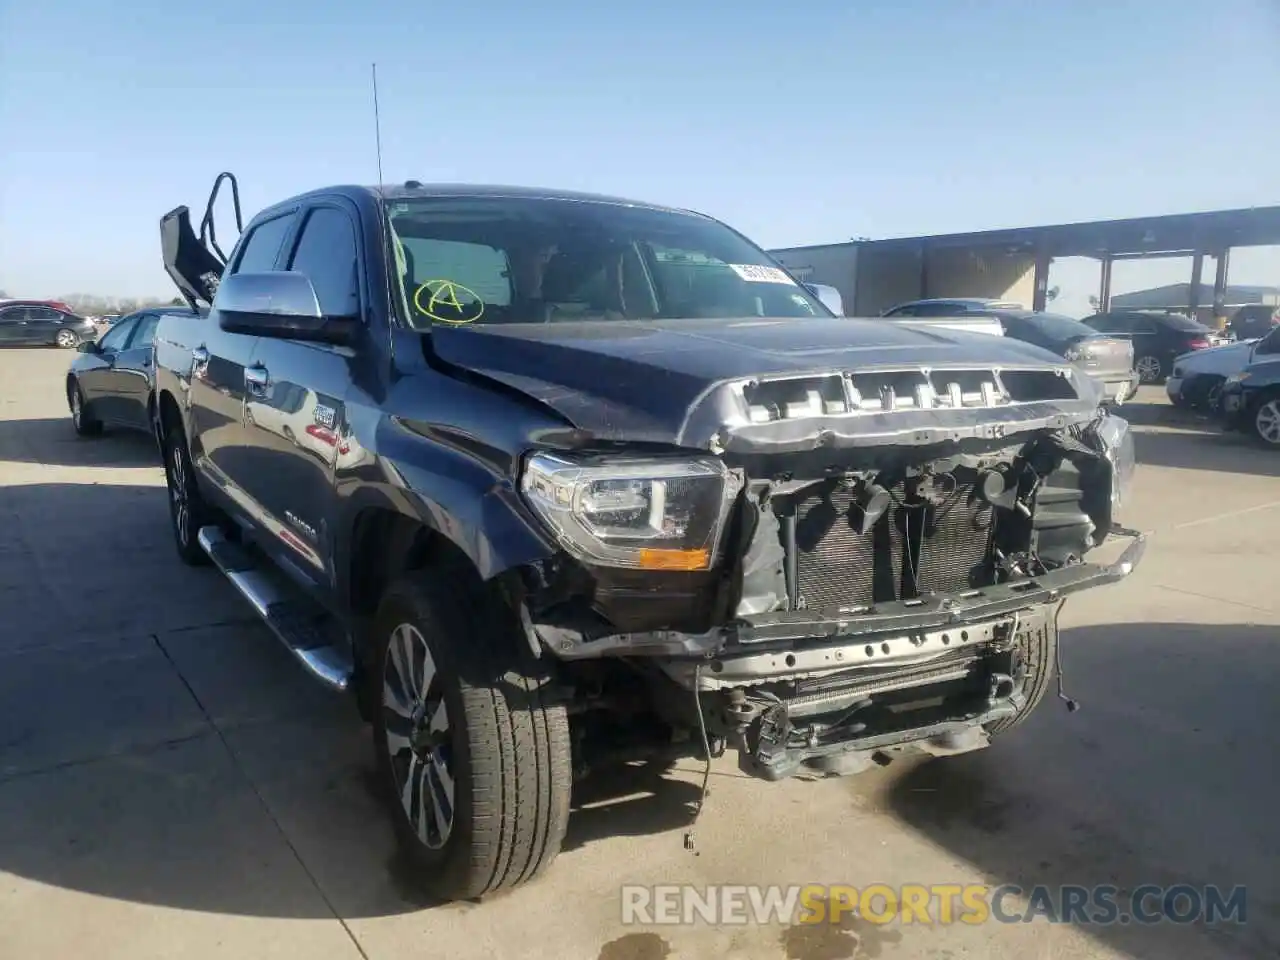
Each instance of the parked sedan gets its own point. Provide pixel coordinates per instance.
(1157, 338)
(1251, 397)
(110, 382)
(31, 323)
(1106, 359)
(1198, 376)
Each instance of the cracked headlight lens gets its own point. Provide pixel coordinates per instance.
(641, 514)
(1117, 445)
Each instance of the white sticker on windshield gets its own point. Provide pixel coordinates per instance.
(753, 273)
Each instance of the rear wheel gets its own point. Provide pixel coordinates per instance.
(1266, 419)
(66, 339)
(1150, 368)
(81, 420)
(472, 747)
(187, 509)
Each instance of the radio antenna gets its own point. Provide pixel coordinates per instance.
(377, 125)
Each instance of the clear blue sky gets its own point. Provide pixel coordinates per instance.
(839, 119)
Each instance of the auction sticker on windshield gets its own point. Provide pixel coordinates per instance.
(755, 273)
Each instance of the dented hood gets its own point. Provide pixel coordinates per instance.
(690, 382)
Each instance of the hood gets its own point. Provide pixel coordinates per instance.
(759, 384)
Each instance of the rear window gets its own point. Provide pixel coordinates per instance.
(1058, 327)
(1181, 322)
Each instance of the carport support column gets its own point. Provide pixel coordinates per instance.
(1220, 283)
(1104, 288)
(1197, 273)
(1040, 298)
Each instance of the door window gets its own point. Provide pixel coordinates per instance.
(115, 338)
(326, 254)
(43, 313)
(263, 245)
(1270, 344)
(13, 315)
(146, 331)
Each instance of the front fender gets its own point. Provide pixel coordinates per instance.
(465, 498)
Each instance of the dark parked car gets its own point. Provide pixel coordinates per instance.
(1250, 400)
(111, 381)
(1107, 359)
(548, 479)
(1157, 338)
(30, 323)
(1253, 321)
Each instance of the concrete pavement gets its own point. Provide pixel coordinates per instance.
(171, 785)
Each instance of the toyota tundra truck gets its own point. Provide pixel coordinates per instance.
(545, 480)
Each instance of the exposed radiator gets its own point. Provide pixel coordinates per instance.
(915, 548)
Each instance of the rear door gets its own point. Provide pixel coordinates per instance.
(219, 363)
(13, 321)
(43, 324)
(295, 402)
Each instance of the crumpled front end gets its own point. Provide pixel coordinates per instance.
(890, 546)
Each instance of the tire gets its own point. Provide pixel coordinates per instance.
(1151, 369)
(500, 740)
(1213, 396)
(66, 339)
(187, 509)
(1264, 419)
(81, 421)
(1039, 649)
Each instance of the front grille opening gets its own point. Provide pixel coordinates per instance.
(788, 399)
(1028, 386)
(935, 537)
(968, 388)
(888, 388)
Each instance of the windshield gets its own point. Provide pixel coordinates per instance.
(468, 260)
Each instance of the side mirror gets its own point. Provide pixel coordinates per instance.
(88, 346)
(282, 305)
(829, 296)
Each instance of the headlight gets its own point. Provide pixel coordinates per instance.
(1239, 377)
(1072, 354)
(1117, 445)
(641, 514)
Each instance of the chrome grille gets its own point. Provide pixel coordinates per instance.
(881, 391)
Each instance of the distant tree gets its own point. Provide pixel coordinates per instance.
(1094, 302)
(176, 302)
(1052, 294)
(3, 295)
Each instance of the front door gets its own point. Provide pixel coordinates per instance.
(133, 373)
(99, 381)
(218, 371)
(294, 401)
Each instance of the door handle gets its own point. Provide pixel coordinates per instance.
(200, 355)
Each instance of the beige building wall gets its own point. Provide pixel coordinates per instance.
(872, 277)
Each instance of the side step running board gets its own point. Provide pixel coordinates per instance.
(295, 621)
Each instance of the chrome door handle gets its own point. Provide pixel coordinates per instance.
(200, 355)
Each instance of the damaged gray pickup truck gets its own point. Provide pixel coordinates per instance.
(551, 480)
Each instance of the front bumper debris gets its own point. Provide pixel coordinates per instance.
(883, 623)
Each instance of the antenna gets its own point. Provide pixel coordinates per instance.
(377, 124)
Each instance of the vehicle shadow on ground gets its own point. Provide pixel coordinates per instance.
(1158, 779)
(53, 441)
(159, 746)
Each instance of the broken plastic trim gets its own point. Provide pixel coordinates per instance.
(897, 618)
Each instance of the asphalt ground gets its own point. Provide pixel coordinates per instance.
(171, 785)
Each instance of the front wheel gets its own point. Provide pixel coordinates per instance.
(84, 424)
(1039, 648)
(1150, 368)
(66, 339)
(187, 510)
(471, 746)
(1266, 419)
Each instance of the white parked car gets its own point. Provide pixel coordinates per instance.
(1197, 377)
